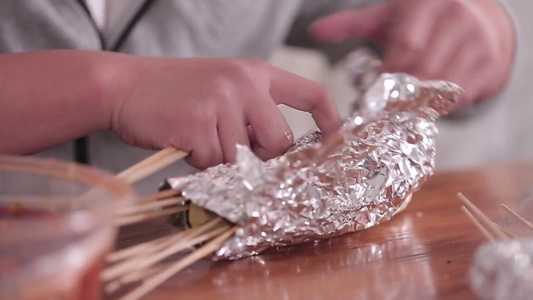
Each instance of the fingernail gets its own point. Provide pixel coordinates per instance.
(289, 136)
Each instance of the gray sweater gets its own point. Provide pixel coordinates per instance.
(499, 129)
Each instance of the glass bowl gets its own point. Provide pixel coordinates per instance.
(56, 227)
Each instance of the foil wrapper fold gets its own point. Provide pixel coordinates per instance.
(503, 270)
(354, 179)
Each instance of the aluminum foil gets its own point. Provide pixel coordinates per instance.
(364, 67)
(503, 270)
(353, 180)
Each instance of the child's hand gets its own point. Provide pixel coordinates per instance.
(206, 106)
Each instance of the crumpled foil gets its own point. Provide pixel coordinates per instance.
(503, 270)
(364, 67)
(353, 180)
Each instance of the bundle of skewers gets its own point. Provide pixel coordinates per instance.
(147, 263)
(502, 267)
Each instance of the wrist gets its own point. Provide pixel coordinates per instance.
(113, 80)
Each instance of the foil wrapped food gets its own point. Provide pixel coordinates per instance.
(503, 270)
(353, 180)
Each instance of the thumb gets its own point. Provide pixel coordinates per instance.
(362, 23)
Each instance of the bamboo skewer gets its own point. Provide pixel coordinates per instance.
(517, 216)
(151, 205)
(493, 226)
(126, 220)
(159, 243)
(143, 247)
(159, 196)
(140, 261)
(147, 161)
(483, 230)
(151, 165)
(508, 233)
(144, 256)
(145, 262)
(159, 278)
(133, 277)
(142, 274)
(143, 169)
(177, 248)
(503, 233)
(164, 162)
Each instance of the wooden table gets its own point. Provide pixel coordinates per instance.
(423, 253)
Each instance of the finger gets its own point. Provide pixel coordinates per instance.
(231, 131)
(409, 34)
(272, 133)
(447, 38)
(251, 136)
(362, 23)
(306, 95)
(466, 71)
(206, 152)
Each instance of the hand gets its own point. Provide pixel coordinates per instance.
(206, 106)
(469, 42)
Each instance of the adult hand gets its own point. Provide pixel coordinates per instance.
(469, 42)
(206, 106)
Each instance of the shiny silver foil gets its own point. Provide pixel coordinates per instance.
(503, 270)
(350, 181)
(364, 67)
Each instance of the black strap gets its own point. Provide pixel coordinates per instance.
(81, 150)
(93, 23)
(81, 145)
(129, 27)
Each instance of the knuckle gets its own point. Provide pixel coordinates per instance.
(222, 85)
(223, 95)
(412, 46)
(323, 91)
(323, 94)
(237, 71)
(258, 65)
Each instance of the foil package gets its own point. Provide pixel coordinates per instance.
(503, 270)
(353, 180)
